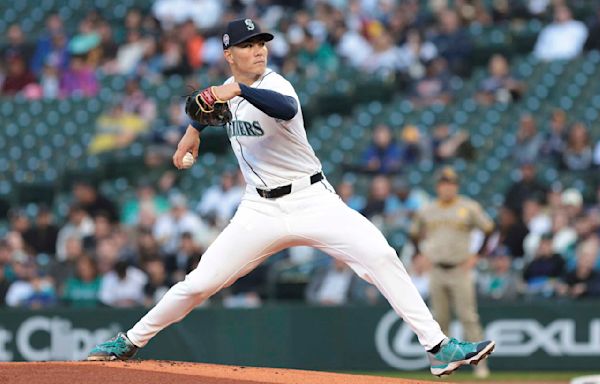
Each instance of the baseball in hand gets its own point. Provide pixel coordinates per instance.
(188, 160)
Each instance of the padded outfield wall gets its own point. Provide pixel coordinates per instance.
(533, 335)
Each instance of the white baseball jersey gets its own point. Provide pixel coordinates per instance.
(271, 152)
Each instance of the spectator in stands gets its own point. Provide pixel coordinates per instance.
(93, 202)
(384, 57)
(170, 226)
(578, 155)
(61, 270)
(146, 200)
(434, 87)
(193, 43)
(103, 229)
(571, 201)
(51, 47)
(158, 282)
(586, 229)
(106, 255)
(500, 86)
(411, 144)
(150, 66)
(146, 246)
(168, 134)
(116, 129)
(331, 285)
(79, 79)
(315, 56)
(510, 232)
(564, 234)
(123, 287)
(345, 190)
(401, 205)
(222, 200)
(379, 193)
(42, 237)
(415, 54)
(352, 46)
(177, 264)
(174, 61)
(584, 281)
(446, 145)
(453, 42)
(50, 81)
(556, 139)
(20, 288)
(128, 56)
(17, 76)
(43, 293)
(500, 282)
(19, 221)
(536, 218)
(546, 266)
(31, 289)
(527, 187)
(108, 44)
(563, 39)
(136, 102)
(17, 44)
(383, 155)
(529, 141)
(82, 289)
(79, 225)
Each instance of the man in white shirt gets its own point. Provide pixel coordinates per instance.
(563, 39)
(170, 226)
(221, 200)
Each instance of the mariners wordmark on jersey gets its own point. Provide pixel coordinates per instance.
(244, 128)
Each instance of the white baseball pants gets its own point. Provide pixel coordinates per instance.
(314, 216)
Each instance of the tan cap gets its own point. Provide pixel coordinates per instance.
(447, 174)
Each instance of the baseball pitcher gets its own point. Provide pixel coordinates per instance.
(288, 202)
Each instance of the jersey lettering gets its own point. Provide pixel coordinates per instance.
(244, 128)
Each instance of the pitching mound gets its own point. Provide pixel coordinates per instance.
(170, 372)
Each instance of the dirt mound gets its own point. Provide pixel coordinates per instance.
(171, 372)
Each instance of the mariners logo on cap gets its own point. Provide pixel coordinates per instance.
(249, 24)
(226, 40)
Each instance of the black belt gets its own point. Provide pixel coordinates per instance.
(286, 189)
(446, 265)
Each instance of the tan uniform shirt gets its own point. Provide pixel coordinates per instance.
(446, 229)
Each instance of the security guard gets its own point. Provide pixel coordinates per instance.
(441, 230)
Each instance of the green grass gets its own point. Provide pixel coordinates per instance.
(509, 377)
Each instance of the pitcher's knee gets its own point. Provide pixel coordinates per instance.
(201, 288)
(384, 258)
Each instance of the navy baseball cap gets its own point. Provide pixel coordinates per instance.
(241, 30)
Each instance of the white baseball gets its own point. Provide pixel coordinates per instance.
(188, 160)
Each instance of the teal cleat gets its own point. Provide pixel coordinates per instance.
(453, 354)
(117, 348)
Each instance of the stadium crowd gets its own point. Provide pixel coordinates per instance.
(127, 253)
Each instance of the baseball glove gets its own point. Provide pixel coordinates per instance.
(205, 107)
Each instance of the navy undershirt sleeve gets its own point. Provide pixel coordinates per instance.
(272, 103)
(199, 127)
